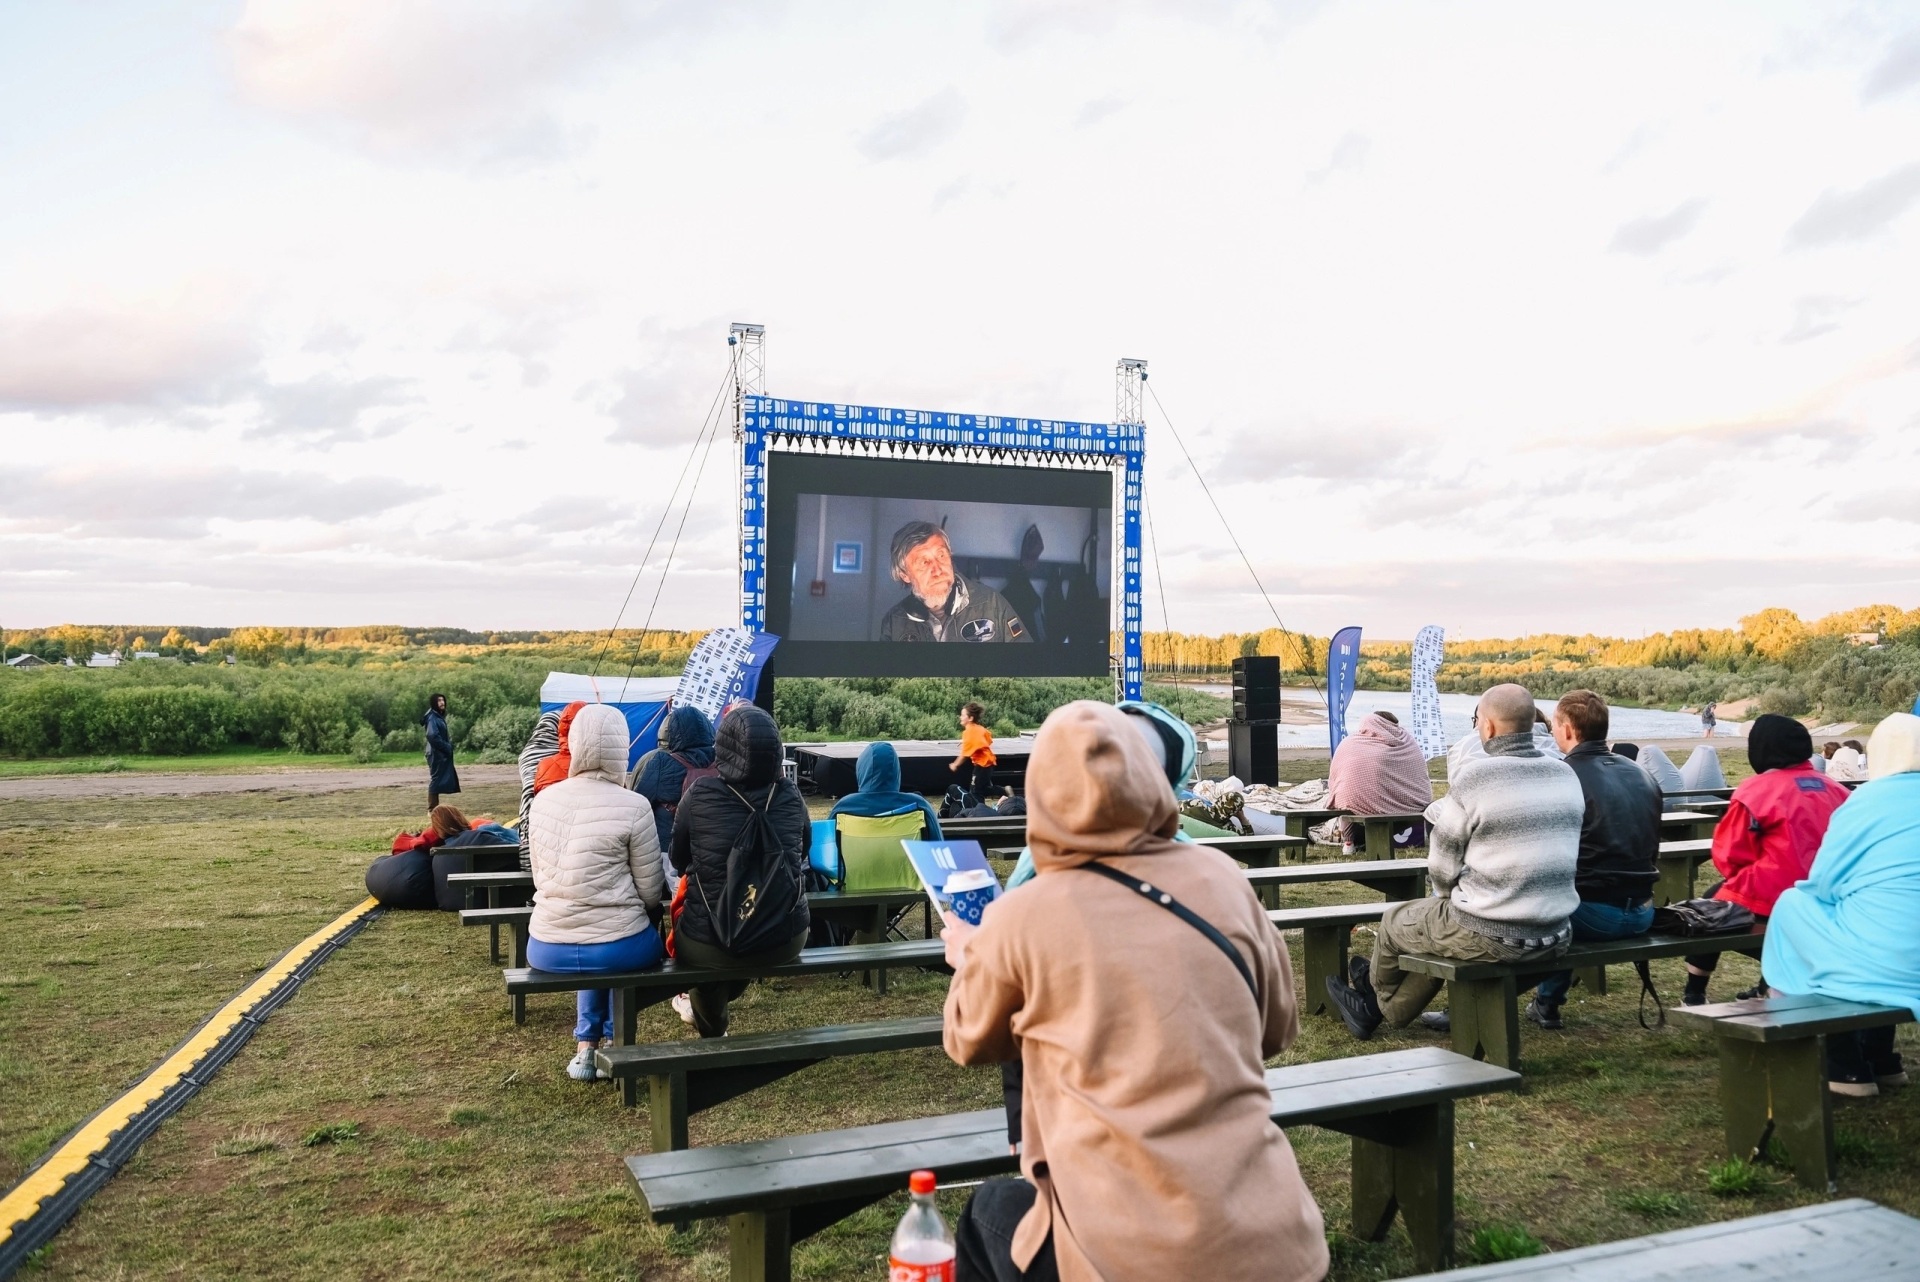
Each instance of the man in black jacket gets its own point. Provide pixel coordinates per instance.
(1619, 840)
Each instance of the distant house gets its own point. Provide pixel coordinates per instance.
(108, 660)
(1864, 638)
(27, 661)
(145, 654)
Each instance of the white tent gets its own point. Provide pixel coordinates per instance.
(642, 700)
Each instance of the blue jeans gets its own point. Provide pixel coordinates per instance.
(595, 1005)
(1596, 923)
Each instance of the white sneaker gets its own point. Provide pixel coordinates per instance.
(599, 1072)
(683, 1007)
(580, 1067)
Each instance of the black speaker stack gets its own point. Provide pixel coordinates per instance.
(1253, 735)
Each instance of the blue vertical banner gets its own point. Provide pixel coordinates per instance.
(1343, 670)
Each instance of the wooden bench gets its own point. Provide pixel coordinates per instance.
(1719, 794)
(687, 1077)
(1854, 1240)
(1394, 878)
(1398, 1107)
(515, 918)
(492, 883)
(1773, 1073)
(1679, 862)
(1683, 825)
(984, 830)
(1325, 934)
(1482, 997)
(635, 990)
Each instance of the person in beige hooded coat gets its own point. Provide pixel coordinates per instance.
(1147, 1142)
(597, 875)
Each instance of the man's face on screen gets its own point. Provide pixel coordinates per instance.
(928, 570)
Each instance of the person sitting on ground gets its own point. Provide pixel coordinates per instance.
(1660, 768)
(597, 875)
(1847, 931)
(686, 751)
(1769, 834)
(713, 816)
(1849, 763)
(1820, 759)
(455, 829)
(879, 796)
(975, 761)
(1013, 804)
(1377, 770)
(1503, 846)
(1619, 841)
(1146, 1141)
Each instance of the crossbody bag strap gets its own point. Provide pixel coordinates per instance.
(1153, 894)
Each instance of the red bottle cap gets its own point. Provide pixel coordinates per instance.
(920, 1182)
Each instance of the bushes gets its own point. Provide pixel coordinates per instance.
(364, 745)
(499, 736)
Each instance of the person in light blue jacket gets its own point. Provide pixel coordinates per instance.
(1847, 930)
(1178, 752)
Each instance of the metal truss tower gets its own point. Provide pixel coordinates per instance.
(1129, 393)
(749, 344)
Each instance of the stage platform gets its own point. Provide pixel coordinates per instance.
(828, 767)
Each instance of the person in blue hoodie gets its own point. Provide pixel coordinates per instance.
(1847, 930)
(878, 774)
(661, 775)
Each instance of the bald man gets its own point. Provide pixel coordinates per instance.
(1504, 844)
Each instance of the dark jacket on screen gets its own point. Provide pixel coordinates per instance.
(747, 753)
(1620, 832)
(661, 775)
(440, 773)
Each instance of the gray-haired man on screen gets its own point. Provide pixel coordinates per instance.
(942, 605)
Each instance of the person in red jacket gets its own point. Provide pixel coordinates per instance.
(1772, 829)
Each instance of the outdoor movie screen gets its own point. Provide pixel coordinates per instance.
(897, 568)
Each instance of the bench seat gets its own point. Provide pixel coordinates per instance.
(1855, 1240)
(1773, 1072)
(688, 1077)
(1482, 997)
(1398, 1106)
(1325, 933)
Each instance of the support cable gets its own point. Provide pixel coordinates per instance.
(1305, 651)
(665, 511)
(686, 510)
(1159, 581)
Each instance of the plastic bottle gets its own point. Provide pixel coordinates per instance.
(923, 1244)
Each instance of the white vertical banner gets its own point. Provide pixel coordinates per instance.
(1429, 648)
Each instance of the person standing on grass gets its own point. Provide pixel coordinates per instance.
(1772, 828)
(1504, 844)
(597, 876)
(1619, 841)
(976, 761)
(1709, 718)
(1147, 1147)
(441, 779)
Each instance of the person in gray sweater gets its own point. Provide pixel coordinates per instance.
(1504, 844)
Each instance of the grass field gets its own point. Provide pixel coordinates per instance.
(234, 761)
(449, 1143)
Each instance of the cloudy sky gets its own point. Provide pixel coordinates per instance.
(1510, 317)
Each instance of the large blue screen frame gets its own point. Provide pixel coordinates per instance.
(769, 423)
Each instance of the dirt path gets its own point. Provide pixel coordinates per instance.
(298, 782)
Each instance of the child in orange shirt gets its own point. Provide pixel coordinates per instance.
(975, 763)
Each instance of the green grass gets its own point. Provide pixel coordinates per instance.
(1736, 1177)
(1492, 1243)
(229, 762)
(475, 1157)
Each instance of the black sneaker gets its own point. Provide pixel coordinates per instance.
(1436, 1020)
(1855, 1085)
(1358, 1009)
(1758, 990)
(1889, 1072)
(1538, 1012)
(1360, 973)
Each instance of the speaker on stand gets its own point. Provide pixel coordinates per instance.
(1253, 734)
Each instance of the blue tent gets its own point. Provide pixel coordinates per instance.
(642, 701)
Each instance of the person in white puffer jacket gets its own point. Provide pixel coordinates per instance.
(597, 875)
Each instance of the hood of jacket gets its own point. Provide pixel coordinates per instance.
(597, 744)
(558, 766)
(1094, 789)
(747, 751)
(1774, 741)
(1894, 747)
(1180, 749)
(878, 769)
(687, 729)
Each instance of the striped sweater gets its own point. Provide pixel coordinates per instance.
(1505, 841)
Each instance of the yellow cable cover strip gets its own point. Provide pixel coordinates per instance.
(72, 1156)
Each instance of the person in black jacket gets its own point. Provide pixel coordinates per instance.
(441, 778)
(1619, 840)
(747, 755)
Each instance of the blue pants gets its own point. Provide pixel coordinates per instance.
(595, 1005)
(1596, 923)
